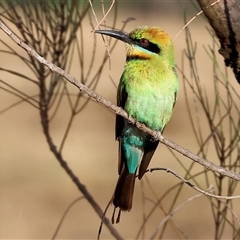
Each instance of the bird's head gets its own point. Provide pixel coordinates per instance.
(145, 43)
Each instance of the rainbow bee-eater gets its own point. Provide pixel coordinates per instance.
(147, 92)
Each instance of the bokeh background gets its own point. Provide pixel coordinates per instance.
(35, 190)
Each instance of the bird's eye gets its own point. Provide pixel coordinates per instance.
(144, 42)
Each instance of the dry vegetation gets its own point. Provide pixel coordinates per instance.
(79, 134)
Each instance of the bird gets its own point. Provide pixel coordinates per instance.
(147, 91)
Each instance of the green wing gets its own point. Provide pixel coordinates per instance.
(121, 100)
(149, 151)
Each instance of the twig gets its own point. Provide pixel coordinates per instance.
(105, 14)
(171, 214)
(64, 215)
(192, 185)
(199, 13)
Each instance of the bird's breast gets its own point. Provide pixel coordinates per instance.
(151, 104)
(151, 88)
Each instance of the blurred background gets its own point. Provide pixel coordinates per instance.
(35, 189)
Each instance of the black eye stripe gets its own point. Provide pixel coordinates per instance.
(152, 47)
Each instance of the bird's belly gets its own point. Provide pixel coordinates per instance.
(154, 110)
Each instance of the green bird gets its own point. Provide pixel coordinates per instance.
(147, 92)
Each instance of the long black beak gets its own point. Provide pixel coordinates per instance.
(116, 34)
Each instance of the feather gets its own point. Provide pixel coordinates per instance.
(124, 190)
(147, 156)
